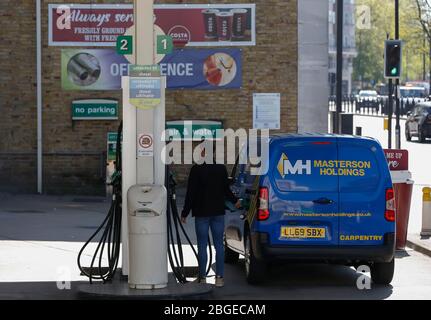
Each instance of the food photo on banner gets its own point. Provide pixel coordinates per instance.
(194, 24)
(102, 69)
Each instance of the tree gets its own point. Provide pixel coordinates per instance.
(424, 19)
(370, 42)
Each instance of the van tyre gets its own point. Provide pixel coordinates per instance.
(230, 256)
(421, 136)
(254, 268)
(383, 273)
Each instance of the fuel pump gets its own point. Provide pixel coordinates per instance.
(144, 216)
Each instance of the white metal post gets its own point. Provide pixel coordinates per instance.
(39, 94)
(144, 40)
(140, 170)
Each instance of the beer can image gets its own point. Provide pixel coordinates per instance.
(75, 69)
(224, 25)
(83, 69)
(90, 63)
(210, 23)
(239, 23)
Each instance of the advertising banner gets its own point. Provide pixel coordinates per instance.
(102, 69)
(195, 24)
(398, 160)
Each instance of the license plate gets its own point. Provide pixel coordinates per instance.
(303, 233)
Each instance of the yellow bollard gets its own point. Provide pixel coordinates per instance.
(426, 212)
(385, 124)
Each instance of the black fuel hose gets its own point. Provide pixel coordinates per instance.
(110, 229)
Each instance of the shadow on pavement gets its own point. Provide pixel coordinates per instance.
(37, 291)
(299, 281)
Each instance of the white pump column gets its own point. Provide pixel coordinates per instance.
(141, 170)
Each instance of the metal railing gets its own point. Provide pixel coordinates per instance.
(373, 106)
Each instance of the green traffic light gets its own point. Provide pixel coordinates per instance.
(394, 71)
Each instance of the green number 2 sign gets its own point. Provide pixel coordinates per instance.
(125, 45)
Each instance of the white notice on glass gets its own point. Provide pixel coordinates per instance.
(266, 111)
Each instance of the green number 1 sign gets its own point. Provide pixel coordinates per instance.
(165, 45)
(125, 45)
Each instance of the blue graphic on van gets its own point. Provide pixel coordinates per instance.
(326, 167)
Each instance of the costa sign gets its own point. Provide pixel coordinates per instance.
(196, 25)
(398, 160)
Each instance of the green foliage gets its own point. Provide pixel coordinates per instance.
(370, 43)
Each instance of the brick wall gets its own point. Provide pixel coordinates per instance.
(74, 151)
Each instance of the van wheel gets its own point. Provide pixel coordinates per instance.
(254, 269)
(383, 273)
(230, 256)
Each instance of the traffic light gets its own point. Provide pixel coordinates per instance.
(393, 56)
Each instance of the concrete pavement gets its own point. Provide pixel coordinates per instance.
(40, 237)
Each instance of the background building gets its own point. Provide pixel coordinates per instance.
(74, 152)
(349, 45)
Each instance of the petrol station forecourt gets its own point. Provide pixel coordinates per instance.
(320, 213)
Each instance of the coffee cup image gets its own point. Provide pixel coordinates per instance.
(83, 69)
(220, 69)
(210, 23)
(239, 23)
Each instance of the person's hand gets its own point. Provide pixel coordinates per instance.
(183, 220)
(238, 204)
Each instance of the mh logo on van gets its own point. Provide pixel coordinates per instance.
(285, 167)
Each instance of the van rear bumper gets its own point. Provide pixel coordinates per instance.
(264, 251)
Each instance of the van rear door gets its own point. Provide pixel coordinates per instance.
(364, 178)
(303, 202)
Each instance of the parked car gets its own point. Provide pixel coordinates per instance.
(325, 198)
(418, 123)
(367, 99)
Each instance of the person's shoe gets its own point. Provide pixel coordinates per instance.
(219, 282)
(200, 280)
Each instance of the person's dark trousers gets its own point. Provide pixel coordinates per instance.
(202, 225)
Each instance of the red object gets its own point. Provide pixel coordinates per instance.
(403, 188)
(263, 212)
(403, 195)
(398, 160)
(390, 205)
(322, 143)
(102, 24)
(180, 43)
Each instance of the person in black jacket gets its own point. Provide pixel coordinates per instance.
(207, 190)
